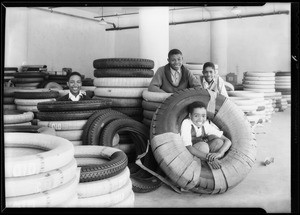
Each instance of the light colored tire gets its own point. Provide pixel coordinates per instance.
(32, 108)
(18, 186)
(18, 118)
(283, 86)
(119, 92)
(283, 78)
(259, 90)
(104, 186)
(32, 102)
(259, 82)
(123, 82)
(59, 153)
(76, 142)
(53, 86)
(248, 108)
(260, 74)
(50, 198)
(34, 84)
(194, 66)
(9, 107)
(229, 86)
(254, 78)
(70, 135)
(256, 86)
(246, 94)
(243, 101)
(196, 72)
(155, 96)
(64, 125)
(129, 202)
(123, 102)
(19, 124)
(282, 81)
(90, 88)
(109, 199)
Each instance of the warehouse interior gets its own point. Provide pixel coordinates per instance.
(238, 39)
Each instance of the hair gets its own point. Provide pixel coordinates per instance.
(174, 51)
(208, 64)
(74, 73)
(194, 105)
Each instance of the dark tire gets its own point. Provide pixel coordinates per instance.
(147, 122)
(58, 77)
(143, 182)
(30, 74)
(148, 114)
(93, 134)
(36, 95)
(152, 106)
(123, 72)
(129, 111)
(283, 74)
(11, 69)
(123, 102)
(26, 80)
(62, 116)
(74, 105)
(8, 100)
(123, 63)
(24, 128)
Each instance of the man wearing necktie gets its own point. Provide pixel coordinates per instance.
(173, 76)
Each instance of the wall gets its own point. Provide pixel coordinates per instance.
(126, 43)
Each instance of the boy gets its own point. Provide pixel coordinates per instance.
(202, 139)
(74, 83)
(210, 80)
(173, 76)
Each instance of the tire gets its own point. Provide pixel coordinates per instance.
(188, 172)
(72, 135)
(63, 116)
(58, 153)
(283, 73)
(32, 102)
(123, 63)
(193, 66)
(74, 105)
(117, 162)
(246, 94)
(64, 125)
(52, 85)
(260, 90)
(10, 100)
(155, 96)
(257, 86)
(259, 82)
(28, 108)
(15, 116)
(127, 203)
(148, 114)
(26, 80)
(38, 94)
(229, 86)
(29, 128)
(122, 82)
(147, 122)
(144, 184)
(30, 75)
(254, 78)
(123, 72)
(132, 112)
(260, 74)
(9, 107)
(123, 102)
(151, 106)
(119, 92)
(17, 125)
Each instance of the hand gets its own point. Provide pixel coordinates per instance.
(215, 164)
(212, 156)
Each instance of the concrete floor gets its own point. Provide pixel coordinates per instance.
(266, 187)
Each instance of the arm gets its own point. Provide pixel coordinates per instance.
(197, 153)
(218, 155)
(193, 81)
(156, 82)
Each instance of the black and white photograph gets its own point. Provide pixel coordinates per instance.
(140, 106)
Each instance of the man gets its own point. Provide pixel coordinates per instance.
(173, 76)
(74, 83)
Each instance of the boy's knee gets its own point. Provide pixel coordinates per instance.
(216, 144)
(202, 146)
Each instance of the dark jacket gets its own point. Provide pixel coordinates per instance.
(66, 98)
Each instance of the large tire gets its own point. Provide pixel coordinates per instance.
(64, 125)
(32, 102)
(152, 106)
(258, 86)
(123, 102)
(129, 111)
(17, 116)
(30, 74)
(117, 162)
(70, 115)
(11, 100)
(72, 135)
(259, 82)
(37, 94)
(260, 90)
(283, 73)
(260, 74)
(122, 82)
(123, 63)
(119, 92)
(155, 96)
(30, 129)
(170, 152)
(74, 105)
(26, 80)
(123, 72)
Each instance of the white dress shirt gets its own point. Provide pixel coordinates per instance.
(76, 98)
(176, 76)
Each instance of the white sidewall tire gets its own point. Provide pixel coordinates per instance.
(260, 90)
(64, 125)
(256, 86)
(131, 82)
(70, 135)
(119, 92)
(193, 66)
(155, 96)
(259, 82)
(129, 202)
(260, 74)
(32, 102)
(32, 108)
(88, 88)
(9, 107)
(18, 118)
(246, 94)
(254, 78)
(59, 153)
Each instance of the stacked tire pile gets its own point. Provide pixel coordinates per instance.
(111, 128)
(123, 81)
(9, 74)
(259, 82)
(27, 100)
(104, 178)
(17, 118)
(9, 98)
(151, 101)
(68, 118)
(40, 171)
(283, 85)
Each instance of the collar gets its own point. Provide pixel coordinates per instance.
(173, 71)
(195, 126)
(76, 98)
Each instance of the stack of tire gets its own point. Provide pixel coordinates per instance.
(9, 98)
(9, 74)
(35, 68)
(123, 80)
(283, 85)
(259, 82)
(27, 100)
(55, 81)
(151, 101)
(197, 68)
(17, 117)
(40, 171)
(69, 118)
(104, 178)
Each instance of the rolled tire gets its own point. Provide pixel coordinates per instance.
(29, 128)
(123, 102)
(18, 124)
(71, 135)
(117, 162)
(14, 116)
(192, 66)
(151, 106)
(155, 96)
(257, 86)
(122, 82)
(32, 102)
(228, 86)
(170, 152)
(37, 94)
(123, 72)
(246, 94)
(119, 92)
(59, 152)
(74, 105)
(30, 75)
(123, 63)
(28, 108)
(63, 116)
(260, 74)
(255, 78)
(27, 80)
(52, 85)
(64, 125)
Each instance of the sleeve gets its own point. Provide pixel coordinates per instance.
(193, 81)
(211, 130)
(222, 87)
(185, 132)
(156, 82)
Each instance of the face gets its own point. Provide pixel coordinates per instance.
(198, 116)
(175, 61)
(209, 74)
(75, 84)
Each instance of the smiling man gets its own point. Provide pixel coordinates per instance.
(173, 76)
(210, 80)
(74, 83)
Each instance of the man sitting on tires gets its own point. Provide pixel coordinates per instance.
(173, 76)
(74, 83)
(201, 138)
(210, 80)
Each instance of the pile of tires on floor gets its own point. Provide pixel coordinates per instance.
(283, 86)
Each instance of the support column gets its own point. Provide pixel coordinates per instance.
(154, 34)
(219, 43)
(16, 26)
